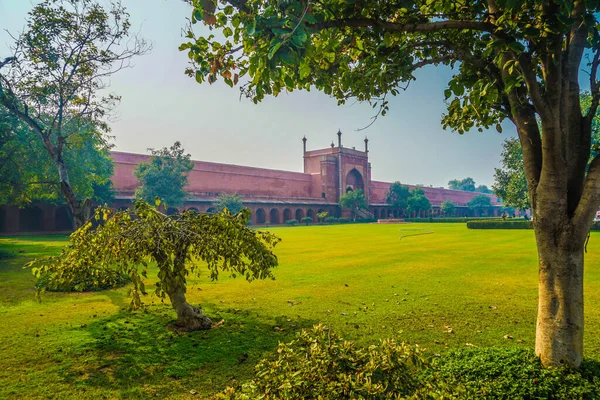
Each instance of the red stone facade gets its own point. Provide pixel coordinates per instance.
(274, 196)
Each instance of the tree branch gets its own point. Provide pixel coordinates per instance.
(406, 28)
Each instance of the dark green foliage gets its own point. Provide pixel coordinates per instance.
(291, 222)
(467, 184)
(28, 173)
(343, 220)
(307, 220)
(331, 220)
(164, 175)
(497, 373)
(452, 219)
(232, 202)
(480, 202)
(89, 280)
(514, 224)
(320, 364)
(448, 207)
(397, 195)
(417, 201)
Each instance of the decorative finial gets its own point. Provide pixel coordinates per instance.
(366, 144)
(339, 138)
(304, 143)
(304, 138)
(332, 145)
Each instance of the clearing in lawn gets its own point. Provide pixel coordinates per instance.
(439, 285)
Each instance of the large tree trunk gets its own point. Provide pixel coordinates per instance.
(559, 334)
(189, 318)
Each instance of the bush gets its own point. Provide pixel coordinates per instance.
(307, 220)
(319, 364)
(343, 220)
(514, 224)
(331, 220)
(90, 280)
(291, 222)
(497, 373)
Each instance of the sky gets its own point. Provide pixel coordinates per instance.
(161, 105)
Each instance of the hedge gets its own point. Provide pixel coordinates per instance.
(514, 224)
(452, 219)
(518, 224)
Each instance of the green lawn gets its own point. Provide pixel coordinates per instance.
(441, 286)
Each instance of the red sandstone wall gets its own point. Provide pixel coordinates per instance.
(435, 195)
(207, 177)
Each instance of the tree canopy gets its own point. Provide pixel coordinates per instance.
(164, 175)
(479, 202)
(448, 207)
(27, 173)
(53, 78)
(232, 202)
(126, 243)
(397, 195)
(417, 201)
(354, 200)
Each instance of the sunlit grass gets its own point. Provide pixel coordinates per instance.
(441, 286)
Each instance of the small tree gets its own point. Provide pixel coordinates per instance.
(510, 183)
(354, 200)
(322, 215)
(164, 175)
(480, 202)
(448, 207)
(397, 195)
(59, 64)
(291, 222)
(307, 220)
(231, 202)
(127, 243)
(417, 201)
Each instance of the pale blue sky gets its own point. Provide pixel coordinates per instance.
(160, 105)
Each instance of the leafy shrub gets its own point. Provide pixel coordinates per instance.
(320, 364)
(307, 220)
(514, 224)
(291, 222)
(90, 280)
(497, 373)
(343, 220)
(331, 220)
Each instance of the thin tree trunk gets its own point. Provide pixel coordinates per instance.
(559, 333)
(189, 318)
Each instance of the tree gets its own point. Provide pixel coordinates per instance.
(27, 173)
(483, 189)
(307, 220)
(232, 202)
(448, 207)
(397, 195)
(164, 175)
(322, 215)
(517, 60)
(417, 201)
(354, 200)
(480, 202)
(467, 184)
(510, 183)
(61, 61)
(125, 242)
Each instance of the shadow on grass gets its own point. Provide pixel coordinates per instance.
(135, 354)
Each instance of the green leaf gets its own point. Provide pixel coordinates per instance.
(274, 48)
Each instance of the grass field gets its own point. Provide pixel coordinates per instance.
(439, 285)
